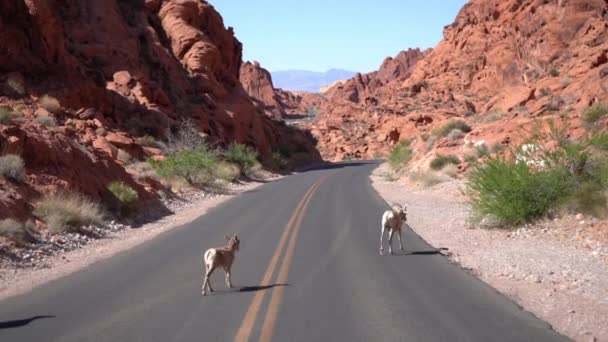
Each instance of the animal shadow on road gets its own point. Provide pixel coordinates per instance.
(428, 252)
(21, 322)
(247, 289)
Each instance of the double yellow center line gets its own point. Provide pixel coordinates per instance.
(294, 224)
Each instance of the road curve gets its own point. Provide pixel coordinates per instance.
(308, 270)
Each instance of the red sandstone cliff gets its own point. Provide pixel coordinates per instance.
(501, 66)
(120, 70)
(277, 103)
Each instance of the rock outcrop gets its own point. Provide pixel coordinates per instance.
(277, 103)
(501, 66)
(120, 70)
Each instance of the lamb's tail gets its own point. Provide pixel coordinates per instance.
(208, 257)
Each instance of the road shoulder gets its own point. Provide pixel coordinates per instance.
(546, 269)
(16, 281)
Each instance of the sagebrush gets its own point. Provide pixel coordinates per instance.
(68, 212)
(12, 167)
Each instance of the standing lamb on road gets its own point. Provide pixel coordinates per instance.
(392, 220)
(222, 256)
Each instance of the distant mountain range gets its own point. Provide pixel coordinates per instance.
(311, 81)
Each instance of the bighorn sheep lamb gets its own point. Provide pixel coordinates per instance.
(221, 256)
(392, 220)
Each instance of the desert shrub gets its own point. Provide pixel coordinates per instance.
(513, 193)
(16, 231)
(46, 121)
(545, 92)
(441, 161)
(242, 155)
(227, 171)
(50, 103)
(195, 165)
(8, 115)
(278, 161)
(125, 194)
(12, 167)
(450, 170)
(554, 72)
(594, 113)
(600, 141)
(455, 134)
(492, 117)
(452, 125)
(143, 170)
(482, 150)
(148, 141)
(400, 155)
(16, 82)
(185, 136)
(589, 199)
(67, 212)
(554, 104)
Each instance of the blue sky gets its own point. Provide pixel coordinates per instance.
(321, 34)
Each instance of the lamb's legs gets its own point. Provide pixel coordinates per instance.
(228, 281)
(207, 282)
(381, 237)
(390, 241)
(400, 242)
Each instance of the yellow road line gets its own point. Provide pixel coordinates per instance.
(250, 317)
(277, 294)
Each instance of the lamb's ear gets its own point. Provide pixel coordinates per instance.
(227, 237)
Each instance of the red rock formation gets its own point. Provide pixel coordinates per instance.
(120, 70)
(512, 61)
(277, 103)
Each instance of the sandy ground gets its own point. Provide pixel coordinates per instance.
(557, 269)
(21, 280)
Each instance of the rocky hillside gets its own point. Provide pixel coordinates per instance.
(84, 83)
(277, 103)
(501, 66)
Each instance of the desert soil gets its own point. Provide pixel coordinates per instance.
(556, 269)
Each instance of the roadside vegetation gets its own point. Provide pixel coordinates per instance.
(535, 181)
(400, 155)
(452, 125)
(68, 212)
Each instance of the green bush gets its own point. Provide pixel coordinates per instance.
(8, 115)
(452, 125)
(441, 161)
(513, 193)
(195, 165)
(67, 212)
(46, 121)
(600, 141)
(594, 113)
(125, 194)
(242, 155)
(400, 155)
(12, 167)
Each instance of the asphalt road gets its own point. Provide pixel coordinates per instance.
(308, 270)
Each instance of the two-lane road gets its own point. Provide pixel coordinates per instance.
(308, 270)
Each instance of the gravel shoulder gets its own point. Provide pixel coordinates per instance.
(557, 269)
(24, 276)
